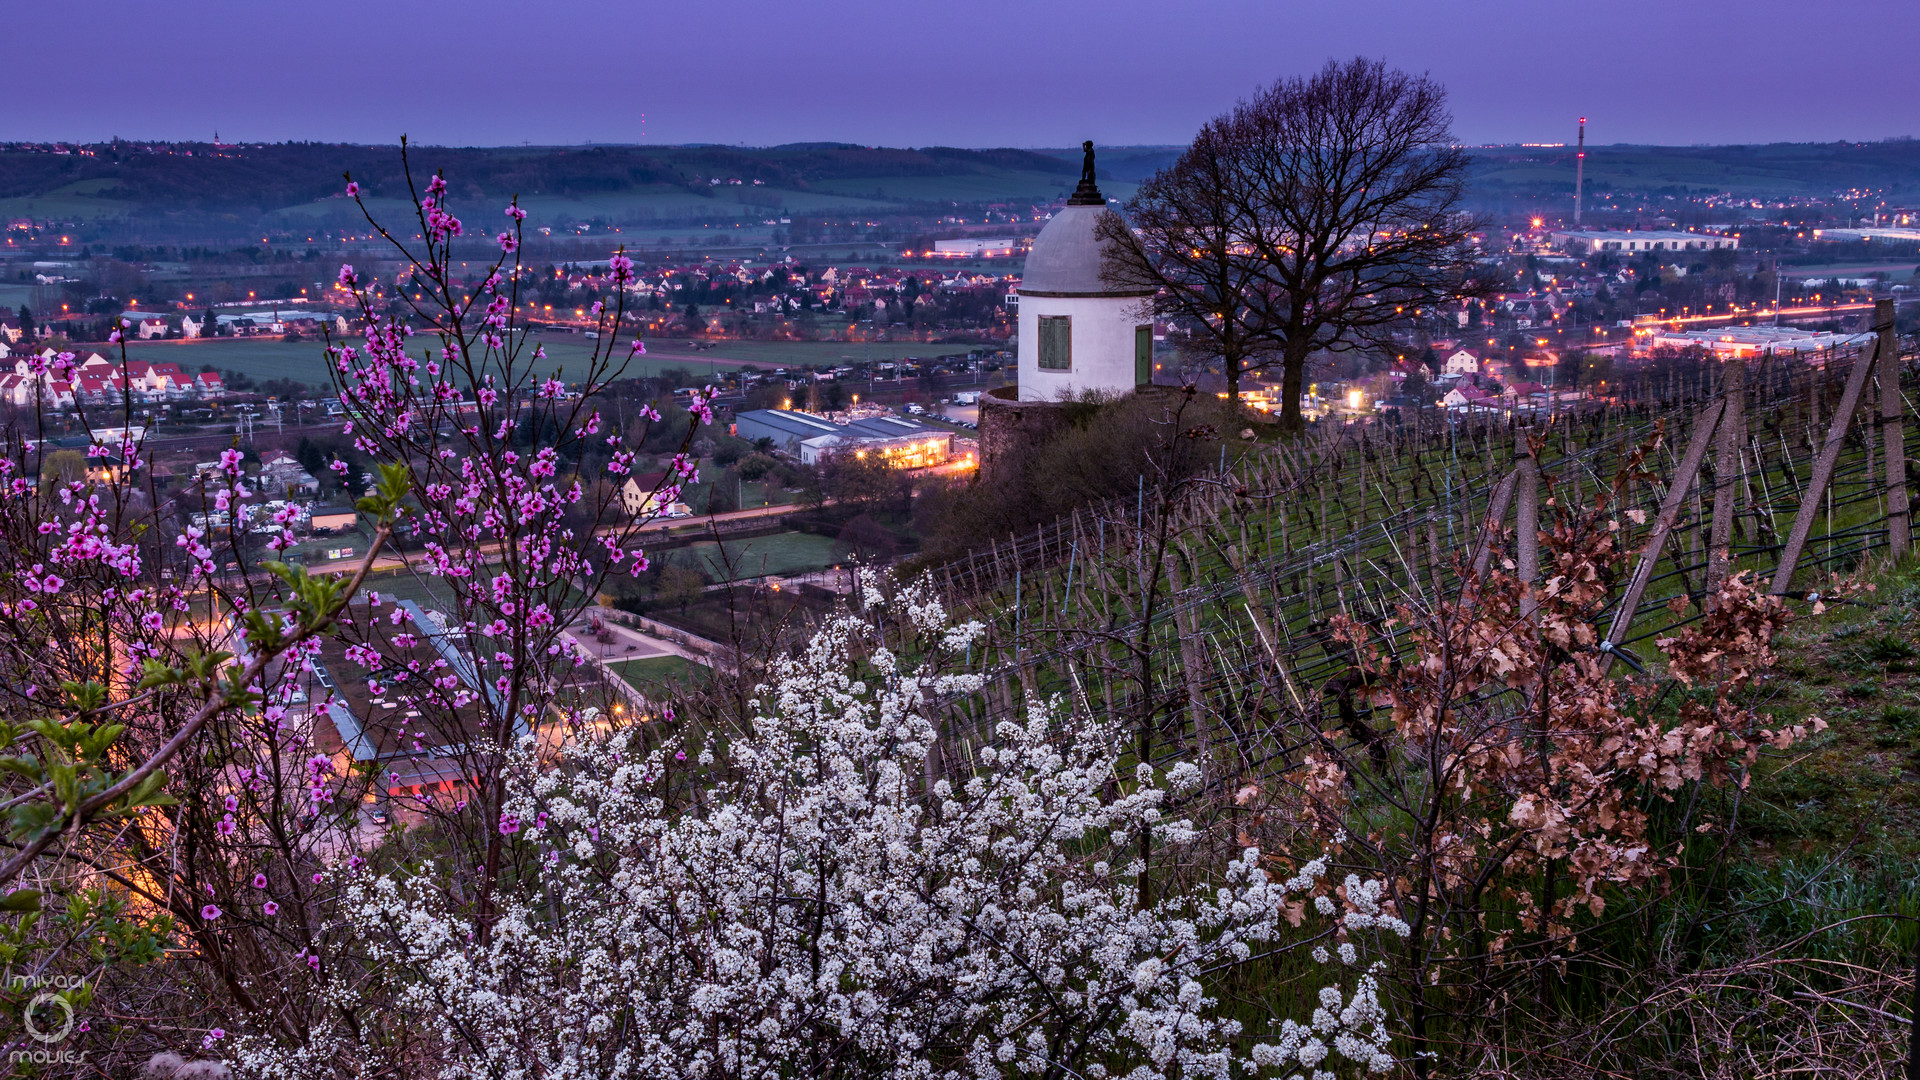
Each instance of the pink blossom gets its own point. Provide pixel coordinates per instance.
(210, 913)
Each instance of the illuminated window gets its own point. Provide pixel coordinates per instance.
(1142, 355)
(1056, 343)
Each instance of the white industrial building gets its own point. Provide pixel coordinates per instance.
(1077, 333)
(1637, 242)
(1742, 341)
(1890, 235)
(808, 438)
(970, 248)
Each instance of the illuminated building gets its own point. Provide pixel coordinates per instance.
(964, 249)
(1639, 242)
(907, 443)
(1742, 341)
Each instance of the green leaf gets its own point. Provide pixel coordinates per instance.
(84, 696)
(154, 673)
(147, 792)
(21, 900)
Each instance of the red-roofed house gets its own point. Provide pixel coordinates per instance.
(17, 390)
(158, 380)
(1461, 397)
(101, 390)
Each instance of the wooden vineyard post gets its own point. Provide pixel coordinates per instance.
(1822, 472)
(1663, 524)
(1526, 521)
(1893, 433)
(1726, 463)
(1496, 513)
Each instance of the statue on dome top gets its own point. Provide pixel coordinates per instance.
(1088, 193)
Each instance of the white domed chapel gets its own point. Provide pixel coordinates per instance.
(1076, 332)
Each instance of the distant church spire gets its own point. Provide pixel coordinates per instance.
(1088, 193)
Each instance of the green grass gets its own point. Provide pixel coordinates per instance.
(405, 586)
(62, 206)
(993, 185)
(305, 361)
(1895, 269)
(642, 205)
(654, 671)
(782, 553)
(1860, 780)
(772, 354)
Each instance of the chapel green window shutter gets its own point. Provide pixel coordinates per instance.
(1056, 343)
(1142, 355)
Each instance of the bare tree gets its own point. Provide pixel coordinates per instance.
(1353, 193)
(1181, 240)
(1319, 215)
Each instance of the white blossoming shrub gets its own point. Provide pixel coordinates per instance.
(796, 901)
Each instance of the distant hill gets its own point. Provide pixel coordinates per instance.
(619, 184)
(183, 190)
(1773, 170)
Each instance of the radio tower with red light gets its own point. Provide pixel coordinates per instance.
(1579, 171)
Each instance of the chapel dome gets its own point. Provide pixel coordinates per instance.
(1065, 259)
(1066, 255)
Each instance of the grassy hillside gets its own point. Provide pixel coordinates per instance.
(305, 361)
(161, 183)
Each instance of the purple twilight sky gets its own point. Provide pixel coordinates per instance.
(963, 72)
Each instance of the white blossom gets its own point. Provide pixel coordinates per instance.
(824, 900)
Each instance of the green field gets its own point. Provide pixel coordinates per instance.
(974, 187)
(653, 671)
(296, 188)
(754, 494)
(1897, 270)
(782, 553)
(306, 360)
(772, 354)
(301, 360)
